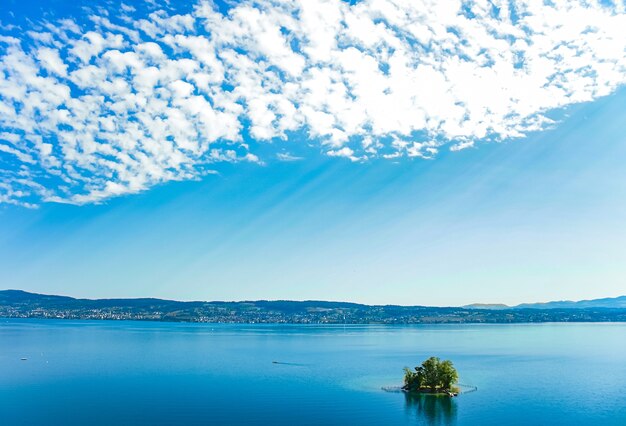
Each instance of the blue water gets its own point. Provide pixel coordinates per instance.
(130, 373)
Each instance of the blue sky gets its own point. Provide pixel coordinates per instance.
(479, 164)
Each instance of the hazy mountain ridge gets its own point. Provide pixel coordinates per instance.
(20, 304)
(607, 302)
(487, 306)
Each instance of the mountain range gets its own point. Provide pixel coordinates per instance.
(608, 302)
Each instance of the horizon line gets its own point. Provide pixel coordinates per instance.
(477, 304)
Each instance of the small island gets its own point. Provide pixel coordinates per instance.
(434, 376)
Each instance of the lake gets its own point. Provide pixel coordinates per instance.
(130, 373)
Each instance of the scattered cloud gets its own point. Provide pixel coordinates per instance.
(119, 102)
(346, 152)
(285, 156)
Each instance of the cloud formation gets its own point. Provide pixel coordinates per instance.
(119, 102)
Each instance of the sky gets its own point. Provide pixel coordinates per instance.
(384, 152)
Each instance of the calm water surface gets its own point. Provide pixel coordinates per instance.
(103, 373)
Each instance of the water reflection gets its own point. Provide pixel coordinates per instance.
(432, 410)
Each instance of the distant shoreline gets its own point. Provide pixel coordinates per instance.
(19, 304)
(303, 324)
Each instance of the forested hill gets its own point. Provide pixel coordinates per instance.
(20, 304)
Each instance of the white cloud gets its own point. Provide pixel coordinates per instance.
(51, 61)
(285, 156)
(343, 152)
(102, 107)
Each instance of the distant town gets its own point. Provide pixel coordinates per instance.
(20, 304)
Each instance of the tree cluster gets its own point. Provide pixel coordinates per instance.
(433, 375)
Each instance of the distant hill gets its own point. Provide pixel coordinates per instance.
(487, 306)
(609, 302)
(19, 297)
(21, 304)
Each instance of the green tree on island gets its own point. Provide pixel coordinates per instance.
(433, 376)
